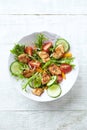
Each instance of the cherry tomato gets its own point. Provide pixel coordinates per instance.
(65, 68)
(33, 63)
(46, 46)
(28, 50)
(60, 78)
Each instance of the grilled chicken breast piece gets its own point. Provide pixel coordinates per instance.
(23, 58)
(28, 73)
(38, 91)
(44, 56)
(59, 51)
(45, 78)
(54, 69)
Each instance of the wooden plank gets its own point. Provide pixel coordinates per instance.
(43, 7)
(44, 120)
(11, 99)
(73, 28)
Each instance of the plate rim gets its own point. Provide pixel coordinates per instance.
(51, 99)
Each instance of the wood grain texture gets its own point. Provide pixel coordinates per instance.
(47, 120)
(67, 18)
(74, 29)
(13, 27)
(43, 7)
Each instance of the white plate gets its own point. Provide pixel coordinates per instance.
(66, 85)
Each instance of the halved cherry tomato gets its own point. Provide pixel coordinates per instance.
(46, 46)
(65, 68)
(33, 63)
(60, 78)
(28, 50)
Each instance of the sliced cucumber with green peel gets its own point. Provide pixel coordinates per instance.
(16, 68)
(53, 79)
(54, 90)
(63, 42)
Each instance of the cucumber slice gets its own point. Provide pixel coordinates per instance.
(64, 43)
(16, 68)
(53, 79)
(54, 90)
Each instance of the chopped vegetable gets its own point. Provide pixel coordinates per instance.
(46, 64)
(58, 62)
(39, 70)
(54, 90)
(68, 54)
(65, 68)
(24, 86)
(18, 49)
(63, 75)
(28, 50)
(67, 60)
(46, 46)
(42, 66)
(52, 80)
(36, 82)
(63, 42)
(39, 41)
(16, 68)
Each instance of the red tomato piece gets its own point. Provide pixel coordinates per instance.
(46, 46)
(65, 68)
(28, 50)
(33, 63)
(60, 78)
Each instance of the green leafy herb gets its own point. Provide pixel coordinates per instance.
(24, 86)
(66, 60)
(47, 64)
(36, 57)
(18, 49)
(24, 66)
(39, 41)
(73, 66)
(58, 62)
(51, 49)
(36, 82)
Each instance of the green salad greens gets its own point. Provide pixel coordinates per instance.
(42, 66)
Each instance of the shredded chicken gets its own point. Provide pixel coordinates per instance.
(37, 91)
(59, 51)
(54, 69)
(44, 56)
(28, 73)
(23, 58)
(45, 78)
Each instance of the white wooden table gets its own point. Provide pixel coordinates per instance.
(66, 18)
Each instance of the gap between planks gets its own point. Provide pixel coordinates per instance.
(48, 14)
(40, 110)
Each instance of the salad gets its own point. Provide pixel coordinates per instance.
(44, 66)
